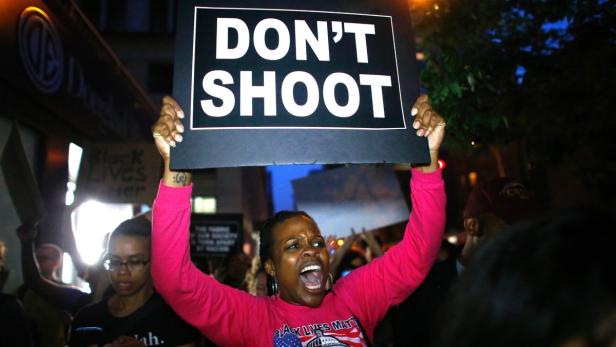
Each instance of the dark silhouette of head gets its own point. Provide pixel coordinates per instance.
(548, 282)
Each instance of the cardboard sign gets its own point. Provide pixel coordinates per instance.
(122, 173)
(20, 181)
(356, 198)
(215, 236)
(282, 82)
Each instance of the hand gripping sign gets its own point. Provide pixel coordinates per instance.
(320, 82)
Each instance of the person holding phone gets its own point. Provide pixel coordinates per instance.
(135, 315)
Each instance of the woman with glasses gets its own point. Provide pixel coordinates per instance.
(135, 315)
(303, 312)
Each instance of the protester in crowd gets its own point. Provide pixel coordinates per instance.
(16, 328)
(490, 207)
(135, 314)
(295, 255)
(233, 269)
(544, 283)
(50, 322)
(356, 250)
(62, 296)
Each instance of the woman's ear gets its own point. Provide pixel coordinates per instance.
(269, 268)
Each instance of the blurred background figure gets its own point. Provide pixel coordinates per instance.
(256, 279)
(549, 282)
(50, 323)
(233, 270)
(16, 329)
(490, 207)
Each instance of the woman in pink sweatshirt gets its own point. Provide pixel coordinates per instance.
(303, 312)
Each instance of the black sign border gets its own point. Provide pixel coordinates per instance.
(258, 147)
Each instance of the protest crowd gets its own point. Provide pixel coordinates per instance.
(303, 287)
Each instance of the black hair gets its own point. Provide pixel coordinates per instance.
(139, 226)
(541, 283)
(266, 239)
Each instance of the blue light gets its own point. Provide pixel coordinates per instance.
(520, 71)
(281, 177)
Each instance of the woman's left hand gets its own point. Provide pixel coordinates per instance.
(428, 123)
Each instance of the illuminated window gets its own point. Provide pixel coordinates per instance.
(203, 204)
(91, 223)
(74, 161)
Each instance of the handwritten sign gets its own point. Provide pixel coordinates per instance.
(215, 236)
(280, 84)
(126, 173)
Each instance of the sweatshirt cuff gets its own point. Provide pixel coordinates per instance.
(426, 179)
(173, 198)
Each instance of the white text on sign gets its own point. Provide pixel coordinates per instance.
(214, 82)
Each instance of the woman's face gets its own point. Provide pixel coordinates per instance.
(300, 261)
(131, 272)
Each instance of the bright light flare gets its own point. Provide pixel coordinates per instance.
(91, 221)
(472, 178)
(441, 164)
(68, 272)
(453, 239)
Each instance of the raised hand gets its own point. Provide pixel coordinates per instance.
(431, 125)
(372, 243)
(168, 129)
(428, 123)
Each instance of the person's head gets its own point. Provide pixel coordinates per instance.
(294, 253)
(493, 204)
(549, 282)
(236, 264)
(49, 258)
(128, 257)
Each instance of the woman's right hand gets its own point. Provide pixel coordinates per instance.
(168, 129)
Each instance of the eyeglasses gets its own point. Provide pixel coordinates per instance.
(114, 265)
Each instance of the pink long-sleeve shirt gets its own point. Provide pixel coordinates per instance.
(349, 311)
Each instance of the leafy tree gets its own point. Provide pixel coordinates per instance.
(538, 71)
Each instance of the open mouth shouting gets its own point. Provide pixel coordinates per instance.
(311, 276)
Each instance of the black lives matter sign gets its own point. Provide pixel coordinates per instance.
(313, 70)
(282, 82)
(119, 173)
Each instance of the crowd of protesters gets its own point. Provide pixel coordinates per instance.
(521, 278)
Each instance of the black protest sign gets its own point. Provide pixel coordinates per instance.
(121, 173)
(280, 82)
(20, 180)
(215, 236)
